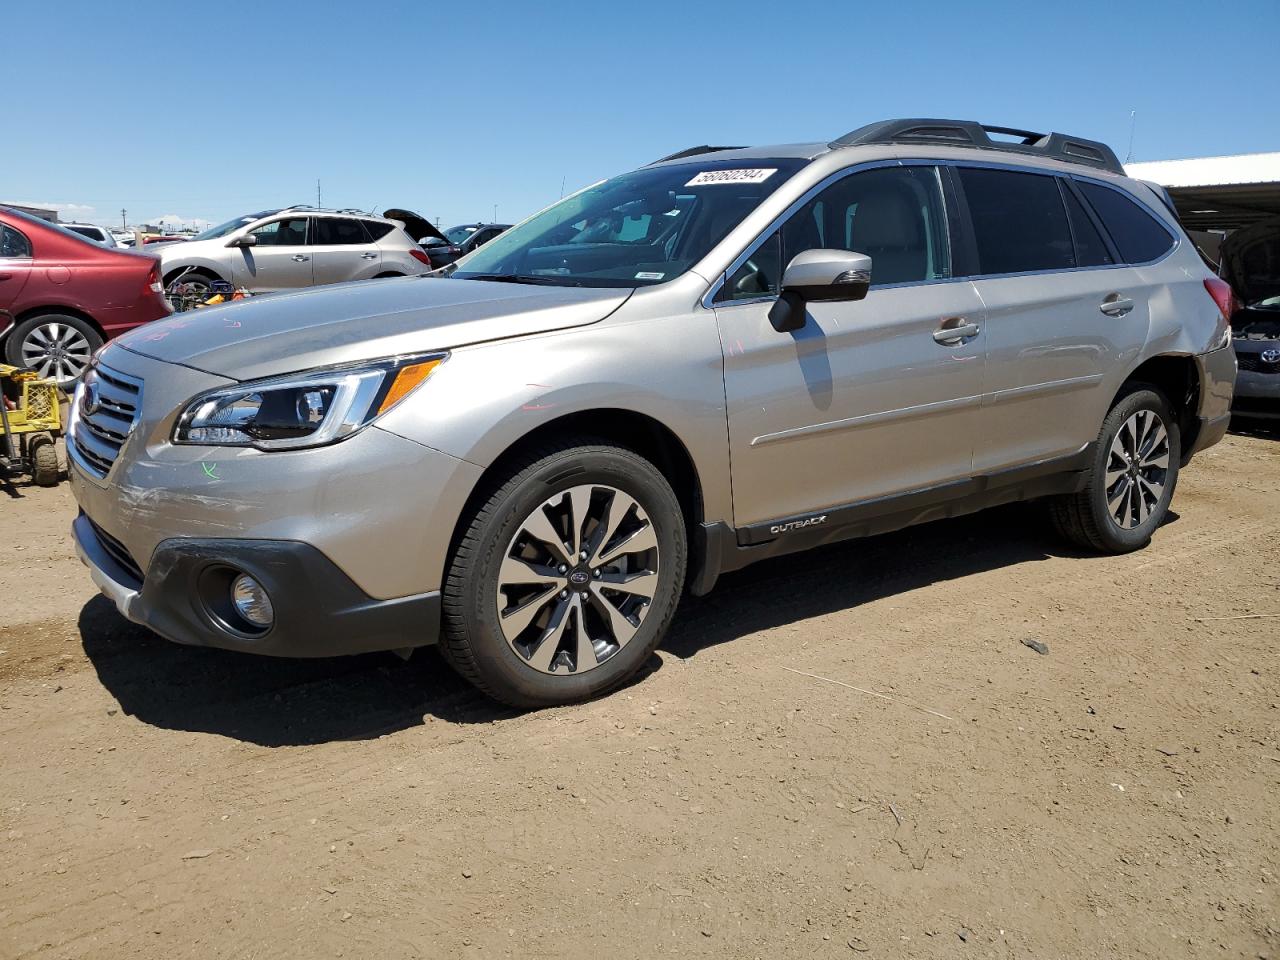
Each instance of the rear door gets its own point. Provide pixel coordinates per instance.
(279, 260)
(1063, 317)
(870, 398)
(341, 249)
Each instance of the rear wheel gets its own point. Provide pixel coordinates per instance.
(566, 578)
(1131, 480)
(195, 284)
(55, 345)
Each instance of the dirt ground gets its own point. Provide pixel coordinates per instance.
(1115, 797)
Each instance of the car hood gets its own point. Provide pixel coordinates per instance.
(1249, 266)
(364, 320)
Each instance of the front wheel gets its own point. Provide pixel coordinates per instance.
(1131, 480)
(566, 577)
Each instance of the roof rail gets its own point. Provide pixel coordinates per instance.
(312, 206)
(692, 152)
(968, 133)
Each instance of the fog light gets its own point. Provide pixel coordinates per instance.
(250, 599)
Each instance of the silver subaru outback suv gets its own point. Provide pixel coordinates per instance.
(726, 355)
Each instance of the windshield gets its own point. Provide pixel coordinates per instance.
(222, 229)
(460, 234)
(635, 230)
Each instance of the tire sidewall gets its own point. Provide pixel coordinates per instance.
(1117, 537)
(502, 668)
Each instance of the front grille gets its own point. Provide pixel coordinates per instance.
(117, 551)
(108, 410)
(1254, 363)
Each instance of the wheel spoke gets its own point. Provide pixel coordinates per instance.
(642, 539)
(515, 620)
(636, 584)
(516, 571)
(584, 654)
(549, 642)
(43, 369)
(1142, 508)
(621, 627)
(539, 527)
(53, 332)
(579, 506)
(1155, 440)
(1119, 499)
(38, 337)
(619, 506)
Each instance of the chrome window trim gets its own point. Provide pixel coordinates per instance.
(709, 297)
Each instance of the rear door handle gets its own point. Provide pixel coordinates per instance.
(955, 330)
(1116, 305)
(300, 258)
(368, 256)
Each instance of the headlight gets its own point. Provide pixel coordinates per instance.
(305, 410)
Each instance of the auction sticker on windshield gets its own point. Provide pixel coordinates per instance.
(707, 177)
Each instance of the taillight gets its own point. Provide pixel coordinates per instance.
(153, 279)
(420, 257)
(1223, 296)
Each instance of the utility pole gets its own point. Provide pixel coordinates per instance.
(124, 223)
(1133, 122)
(317, 191)
(495, 213)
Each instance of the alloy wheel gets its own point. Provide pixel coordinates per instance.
(1137, 469)
(56, 350)
(577, 578)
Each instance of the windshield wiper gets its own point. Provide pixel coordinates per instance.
(552, 281)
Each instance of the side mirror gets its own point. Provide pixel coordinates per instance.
(819, 275)
(247, 240)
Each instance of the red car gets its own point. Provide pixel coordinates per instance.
(61, 295)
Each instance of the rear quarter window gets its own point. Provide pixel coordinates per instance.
(1138, 236)
(377, 229)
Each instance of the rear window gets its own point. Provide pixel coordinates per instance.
(1019, 222)
(1137, 234)
(13, 245)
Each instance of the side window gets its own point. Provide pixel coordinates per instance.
(895, 215)
(282, 233)
(1091, 249)
(1019, 222)
(1137, 234)
(759, 276)
(338, 231)
(378, 230)
(13, 245)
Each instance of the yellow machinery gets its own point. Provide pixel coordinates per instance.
(30, 420)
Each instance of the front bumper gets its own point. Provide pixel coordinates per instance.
(319, 611)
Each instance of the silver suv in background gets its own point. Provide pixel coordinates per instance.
(91, 231)
(726, 355)
(294, 247)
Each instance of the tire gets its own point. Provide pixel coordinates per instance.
(201, 282)
(1114, 518)
(45, 468)
(487, 596)
(55, 345)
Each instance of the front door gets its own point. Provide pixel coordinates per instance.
(870, 398)
(280, 260)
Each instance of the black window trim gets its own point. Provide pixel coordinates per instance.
(1142, 205)
(1066, 185)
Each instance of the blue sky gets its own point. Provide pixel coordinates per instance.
(210, 110)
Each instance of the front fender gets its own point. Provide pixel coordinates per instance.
(488, 397)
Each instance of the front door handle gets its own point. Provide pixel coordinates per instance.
(300, 258)
(1116, 305)
(955, 331)
(368, 256)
